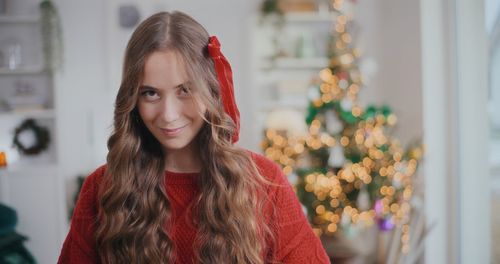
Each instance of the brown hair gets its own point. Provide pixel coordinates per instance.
(133, 204)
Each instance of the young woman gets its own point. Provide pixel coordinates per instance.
(175, 189)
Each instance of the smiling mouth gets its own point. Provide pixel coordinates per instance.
(173, 131)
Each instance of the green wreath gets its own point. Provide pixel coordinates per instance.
(41, 136)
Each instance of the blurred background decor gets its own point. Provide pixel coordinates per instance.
(52, 35)
(31, 138)
(356, 175)
(12, 249)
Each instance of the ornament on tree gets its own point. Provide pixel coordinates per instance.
(363, 201)
(313, 93)
(333, 123)
(337, 157)
(346, 104)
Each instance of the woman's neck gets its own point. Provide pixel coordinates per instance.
(183, 160)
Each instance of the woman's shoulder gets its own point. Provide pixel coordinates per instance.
(95, 177)
(87, 198)
(268, 168)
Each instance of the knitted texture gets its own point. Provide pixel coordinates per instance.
(295, 240)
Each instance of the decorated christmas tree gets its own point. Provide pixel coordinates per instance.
(348, 171)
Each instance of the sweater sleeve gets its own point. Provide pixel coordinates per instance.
(296, 242)
(79, 245)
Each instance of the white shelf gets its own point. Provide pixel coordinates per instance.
(37, 114)
(282, 83)
(494, 161)
(19, 19)
(32, 184)
(310, 17)
(298, 103)
(22, 71)
(317, 63)
(25, 166)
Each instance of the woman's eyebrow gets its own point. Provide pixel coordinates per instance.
(144, 87)
(187, 83)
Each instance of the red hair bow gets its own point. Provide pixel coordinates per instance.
(225, 76)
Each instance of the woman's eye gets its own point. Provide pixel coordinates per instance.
(149, 94)
(183, 91)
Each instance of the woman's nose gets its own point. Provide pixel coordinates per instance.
(170, 110)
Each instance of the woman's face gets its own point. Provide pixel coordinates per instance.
(166, 104)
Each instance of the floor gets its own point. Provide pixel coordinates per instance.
(495, 227)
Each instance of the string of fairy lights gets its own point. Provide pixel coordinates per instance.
(356, 175)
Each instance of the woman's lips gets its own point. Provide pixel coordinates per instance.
(172, 132)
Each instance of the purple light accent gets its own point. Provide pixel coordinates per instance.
(385, 224)
(379, 207)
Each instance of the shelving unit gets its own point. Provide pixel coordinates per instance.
(32, 185)
(15, 19)
(282, 82)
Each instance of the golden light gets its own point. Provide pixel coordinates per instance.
(334, 203)
(354, 88)
(317, 103)
(289, 151)
(325, 88)
(326, 75)
(284, 159)
(346, 38)
(337, 4)
(320, 209)
(392, 119)
(342, 19)
(314, 127)
(287, 170)
(340, 28)
(383, 190)
(390, 191)
(346, 59)
(316, 144)
(405, 238)
(358, 184)
(405, 249)
(339, 44)
(270, 133)
(407, 193)
(279, 140)
(344, 141)
(311, 178)
(367, 179)
(394, 207)
(269, 152)
(332, 227)
(298, 148)
(335, 218)
(367, 162)
(326, 98)
(356, 111)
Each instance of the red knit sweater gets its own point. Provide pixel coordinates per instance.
(296, 243)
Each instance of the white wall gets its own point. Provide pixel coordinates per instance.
(390, 35)
(80, 86)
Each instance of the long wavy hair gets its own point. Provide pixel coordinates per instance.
(133, 204)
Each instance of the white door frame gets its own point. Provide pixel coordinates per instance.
(454, 79)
